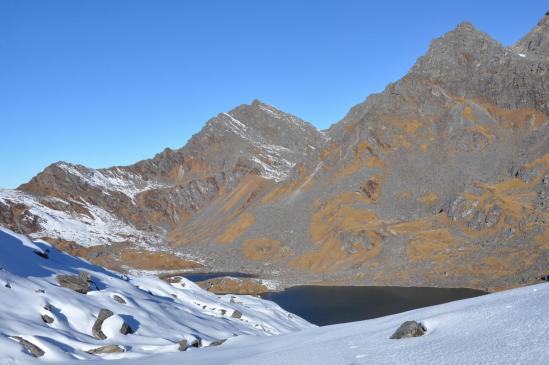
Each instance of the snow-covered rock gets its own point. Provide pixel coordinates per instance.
(160, 315)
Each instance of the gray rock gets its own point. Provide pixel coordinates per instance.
(109, 349)
(80, 283)
(31, 348)
(47, 319)
(101, 317)
(196, 343)
(126, 329)
(409, 329)
(236, 314)
(183, 345)
(118, 299)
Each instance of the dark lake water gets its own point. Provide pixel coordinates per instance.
(205, 276)
(324, 305)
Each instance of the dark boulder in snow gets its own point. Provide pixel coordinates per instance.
(109, 349)
(31, 348)
(409, 329)
(47, 319)
(80, 283)
(101, 317)
(183, 345)
(236, 314)
(196, 343)
(126, 329)
(118, 299)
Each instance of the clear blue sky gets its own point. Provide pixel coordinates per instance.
(109, 82)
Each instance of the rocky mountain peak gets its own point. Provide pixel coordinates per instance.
(464, 45)
(536, 42)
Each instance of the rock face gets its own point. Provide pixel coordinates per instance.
(101, 317)
(442, 179)
(409, 329)
(80, 283)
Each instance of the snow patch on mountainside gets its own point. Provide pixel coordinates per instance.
(115, 179)
(160, 314)
(101, 227)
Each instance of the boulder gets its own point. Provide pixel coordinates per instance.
(126, 329)
(183, 345)
(31, 348)
(109, 349)
(80, 283)
(196, 343)
(47, 319)
(236, 314)
(118, 299)
(409, 329)
(101, 317)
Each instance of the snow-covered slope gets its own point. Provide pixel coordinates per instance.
(510, 327)
(160, 314)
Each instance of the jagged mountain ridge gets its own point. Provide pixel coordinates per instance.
(439, 180)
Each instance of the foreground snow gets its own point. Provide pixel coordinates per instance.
(510, 327)
(161, 314)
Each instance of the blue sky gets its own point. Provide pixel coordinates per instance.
(107, 82)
